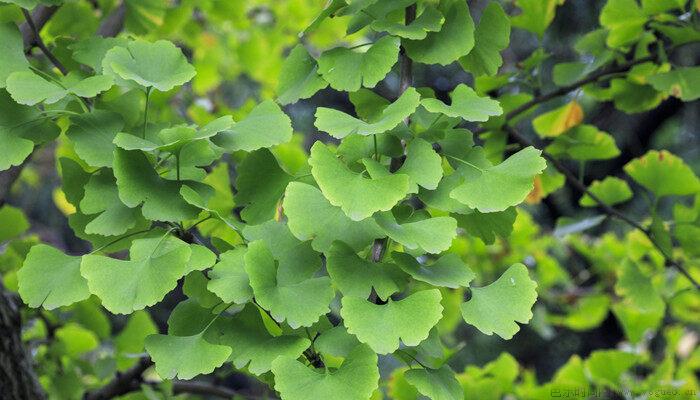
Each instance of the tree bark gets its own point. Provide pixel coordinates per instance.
(17, 378)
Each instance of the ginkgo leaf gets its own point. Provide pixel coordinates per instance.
(490, 38)
(201, 258)
(265, 126)
(356, 379)
(554, 123)
(50, 279)
(536, 15)
(339, 124)
(584, 143)
(382, 326)
(436, 384)
(487, 225)
(430, 20)
(139, 183)
(297, 260)
(160, 65)
(253, 346)
(311, 217)
(131, 338)
(20, 128)
(683, 83)
(423, 165)
(12, 50)
(485, 309)
(336, 342)
(447, 271)
(228, 278)
(28, 88)
(261, 183)
(154, 267)
(299, 77)
(102, 198)
(663, 173)
(92, 135)
(610, 190)
(466, 104)
(357, 196)
(91, 50)
(168, 353)
(624, 20)
(355, 276)
(300, 304)
(501, 186)
(349, 69)
(454, 40)
(432, 235)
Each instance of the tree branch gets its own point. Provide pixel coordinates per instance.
(40, 43)
(113, 22)
(607, 209)
(40, 16)
(122, 383)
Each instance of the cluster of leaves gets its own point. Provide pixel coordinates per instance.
(306, 268)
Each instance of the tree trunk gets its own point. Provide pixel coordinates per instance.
(17, 378)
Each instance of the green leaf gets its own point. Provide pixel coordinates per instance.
(339, 124)
(168, 353)
(102, 198)
(300, 303)
(311, 217)
(152, 271)
(265, 126)
(20, 128)
(554, 123)
(447, 271)
(50, 279)
(432, 235)
(584, 143)
(12, 50)
(606, 366)
(663, 173)
(297, 260)
(624, 20)
(430, 20)
(13, 222)
(28, 88)
(90, 51)
(637, 288)
(487, 225)
(299, 77)
(504, 185)
(92, 135)
(382, 326)
(485, 311)
(610, 190)
(491, 37)
(253, 346)
(423, 165)
(139, 183)
(357, 196)
(436, 384)
(261, 183)
(454, 40)
(229, 280)
(355, 276)
(348, 69)
(356, 379)
(466, 104)
(683, 83)
(130, 341)
(160, 65)
(536, 15)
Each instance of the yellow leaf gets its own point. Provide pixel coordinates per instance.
(558, 121)
(59, 198)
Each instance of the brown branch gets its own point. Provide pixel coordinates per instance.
(40, 43)
(607, 209)
(122, 383)
(40, 16)
(113, 22)
(203, 388)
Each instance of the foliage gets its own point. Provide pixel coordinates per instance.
(410, 222)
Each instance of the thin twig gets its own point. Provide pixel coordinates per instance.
(607, 209)
(40, 43)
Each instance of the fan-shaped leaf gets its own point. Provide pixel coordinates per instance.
(447, 271)
(466, 104)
